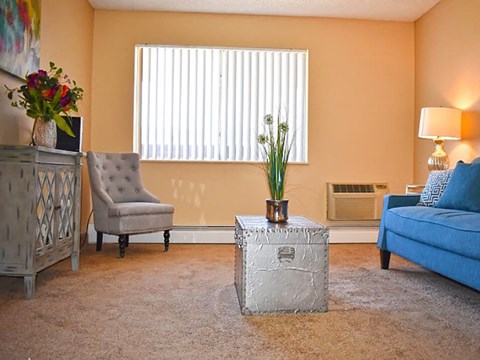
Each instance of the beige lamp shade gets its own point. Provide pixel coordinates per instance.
(440, 123)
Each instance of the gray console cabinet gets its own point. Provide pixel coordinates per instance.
(39, 210)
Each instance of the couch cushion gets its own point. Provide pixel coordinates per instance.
(139, 218)
(139, 208)
(463, 189)
(452, 230)
(436, 184)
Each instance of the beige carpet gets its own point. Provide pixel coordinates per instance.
(183, 305)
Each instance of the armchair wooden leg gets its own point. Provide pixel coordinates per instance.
(99, 240)
(121, 241)
(166, 238)
(127, 240)
(384, 259)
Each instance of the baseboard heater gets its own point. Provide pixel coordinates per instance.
(179, 234)
(225, 235)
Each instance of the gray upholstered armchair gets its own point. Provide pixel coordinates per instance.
(121, 205)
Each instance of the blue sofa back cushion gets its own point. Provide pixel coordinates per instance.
(463, 189)
(436, 185)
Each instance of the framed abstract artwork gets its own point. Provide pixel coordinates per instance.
(20, 36)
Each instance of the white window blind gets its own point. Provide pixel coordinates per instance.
(208, 104)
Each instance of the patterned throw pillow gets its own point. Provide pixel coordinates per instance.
(436, 184)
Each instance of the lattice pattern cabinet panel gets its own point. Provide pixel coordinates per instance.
(39, 210)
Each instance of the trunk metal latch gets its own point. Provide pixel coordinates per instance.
(286, 254)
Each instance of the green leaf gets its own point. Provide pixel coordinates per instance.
(63, 125)
(32, 114)
(57, 96)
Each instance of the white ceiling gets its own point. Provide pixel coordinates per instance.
(392, 10)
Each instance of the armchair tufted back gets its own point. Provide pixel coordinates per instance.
(116, 174)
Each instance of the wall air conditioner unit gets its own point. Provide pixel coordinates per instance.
(354, 201)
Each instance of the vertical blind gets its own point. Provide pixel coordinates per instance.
(208, 104)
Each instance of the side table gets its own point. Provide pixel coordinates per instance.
(281, 267)
(414, 189)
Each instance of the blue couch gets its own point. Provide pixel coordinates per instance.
(446, 241)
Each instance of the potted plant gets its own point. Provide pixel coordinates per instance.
(275, 150)
(47, 96)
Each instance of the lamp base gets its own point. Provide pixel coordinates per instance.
(439, 159)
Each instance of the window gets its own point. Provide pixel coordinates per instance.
(208, 104)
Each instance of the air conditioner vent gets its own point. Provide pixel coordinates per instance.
(352, 202)
(353, 188)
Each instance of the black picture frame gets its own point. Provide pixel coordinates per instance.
(65, 141)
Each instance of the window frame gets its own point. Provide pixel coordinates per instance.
(137, 123)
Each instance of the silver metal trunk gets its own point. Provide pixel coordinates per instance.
(281, 267)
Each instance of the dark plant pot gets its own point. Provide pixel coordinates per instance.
(277, 210)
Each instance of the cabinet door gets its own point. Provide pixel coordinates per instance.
(65, 204)
(45, 200)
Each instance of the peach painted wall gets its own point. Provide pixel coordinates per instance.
(361, 106)
(447, 73)
(66, 36)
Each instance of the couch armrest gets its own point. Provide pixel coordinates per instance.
(390, 202)
(393, 201)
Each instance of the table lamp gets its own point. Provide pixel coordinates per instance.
(439, 124)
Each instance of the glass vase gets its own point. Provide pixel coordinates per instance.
(44, 133)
